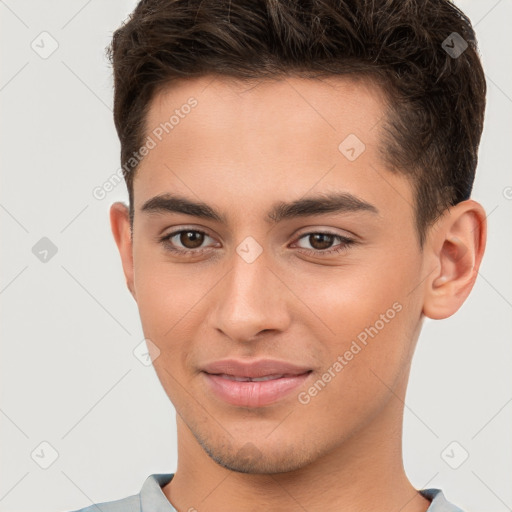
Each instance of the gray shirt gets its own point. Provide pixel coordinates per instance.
(151, 498)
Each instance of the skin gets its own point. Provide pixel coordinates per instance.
(243, 148)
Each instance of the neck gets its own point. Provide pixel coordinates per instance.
(363, 472)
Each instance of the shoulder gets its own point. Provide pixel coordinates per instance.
(129, 504)
(150, 497)
(438, 501)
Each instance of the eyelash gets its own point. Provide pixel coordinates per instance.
(345, 243)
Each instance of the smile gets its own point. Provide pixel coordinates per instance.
(253, 391)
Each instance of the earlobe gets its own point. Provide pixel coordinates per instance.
(121, 230)
(456, 248)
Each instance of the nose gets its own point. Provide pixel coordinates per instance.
(250, 300)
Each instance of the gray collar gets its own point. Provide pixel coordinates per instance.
(153, 499)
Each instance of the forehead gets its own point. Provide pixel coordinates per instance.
(332, 106)
(217, 137)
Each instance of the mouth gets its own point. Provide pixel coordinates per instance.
(251, 379)
(253, 391)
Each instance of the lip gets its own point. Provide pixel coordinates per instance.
(283, 378)
(255, 368)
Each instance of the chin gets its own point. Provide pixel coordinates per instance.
(249, 458)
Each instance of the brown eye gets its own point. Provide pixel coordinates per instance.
(321, 241)
(185, 241)
(191, 239)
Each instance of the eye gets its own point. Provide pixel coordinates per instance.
(190, 241)
(185, 241)
(322, 243)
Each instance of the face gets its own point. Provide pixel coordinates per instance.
(270, 243)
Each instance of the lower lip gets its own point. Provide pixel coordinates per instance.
(254, 394)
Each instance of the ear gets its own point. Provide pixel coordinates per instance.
(120, 224)
(454, 249)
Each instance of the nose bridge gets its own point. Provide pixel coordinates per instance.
(250, 298)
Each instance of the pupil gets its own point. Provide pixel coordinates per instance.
(325, 240)
(191, 239)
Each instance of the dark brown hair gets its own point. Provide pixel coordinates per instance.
(436, 98)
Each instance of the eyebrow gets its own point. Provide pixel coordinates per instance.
(335, 202)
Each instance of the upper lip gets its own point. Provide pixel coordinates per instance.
(254, 368)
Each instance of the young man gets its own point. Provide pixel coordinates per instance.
(299, 176)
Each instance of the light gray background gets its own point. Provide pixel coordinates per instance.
(69, 376)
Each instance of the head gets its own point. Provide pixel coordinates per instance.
(318, 159)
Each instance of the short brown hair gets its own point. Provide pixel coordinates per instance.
(436, 100)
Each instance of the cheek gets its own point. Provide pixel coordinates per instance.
(173, 302)
(372, 318)
(166, 299)
(164, 293)
(348, 300)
